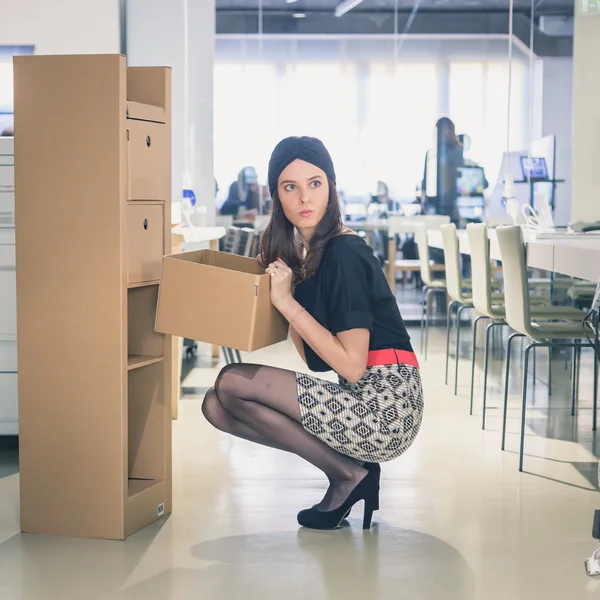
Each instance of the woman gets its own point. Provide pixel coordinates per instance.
(443, 163)
(343, 317)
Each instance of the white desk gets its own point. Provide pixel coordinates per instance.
(575, 257)
(368, 225)
(403, 224)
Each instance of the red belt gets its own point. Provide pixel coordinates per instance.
(389, 356)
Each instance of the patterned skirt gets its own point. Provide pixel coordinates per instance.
(374, 420)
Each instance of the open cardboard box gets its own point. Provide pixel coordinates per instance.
(218, 298)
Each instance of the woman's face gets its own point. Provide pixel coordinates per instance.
(304, 194)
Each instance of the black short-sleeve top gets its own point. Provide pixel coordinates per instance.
(350, 291)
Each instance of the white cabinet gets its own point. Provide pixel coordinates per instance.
(8, 292)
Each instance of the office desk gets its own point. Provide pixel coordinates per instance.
(368, 225)
(404, 224)
(576, 257)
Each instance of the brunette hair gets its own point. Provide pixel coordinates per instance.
(281, 240)
(447, 131)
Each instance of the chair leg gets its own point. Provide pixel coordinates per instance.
(534, 366)
(550, 371)
(449, 310)
(506, 379)
(578, 369)
(428, 295)
(524, 405)
(230, 354)
(594, 417)
(423, 305)
(473, 358)
(574, 382)
(458, 315)
(225, 355)
(488, 334)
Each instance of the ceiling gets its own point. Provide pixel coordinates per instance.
(564, 7)
(415, 17)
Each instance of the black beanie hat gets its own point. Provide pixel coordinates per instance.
(309, 149)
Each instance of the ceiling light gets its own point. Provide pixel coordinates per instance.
(291, 1)
(299, 15)
(346, 6)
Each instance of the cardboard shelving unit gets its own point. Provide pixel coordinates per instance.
(93, 214)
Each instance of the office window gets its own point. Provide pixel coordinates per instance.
(401, 113)
(321, 100)
(479, 107)
(6, 87)
(377, 117)
(246, 119)
(6, 82)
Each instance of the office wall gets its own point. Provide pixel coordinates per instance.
(557, 119)
(61, 26)
(155, 36)
(586, 118)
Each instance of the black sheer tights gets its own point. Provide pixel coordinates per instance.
(260, 404)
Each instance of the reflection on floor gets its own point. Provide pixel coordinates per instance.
(457, 520)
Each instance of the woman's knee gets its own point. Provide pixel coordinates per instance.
(231, 387)
(211, 409)
(226, 385)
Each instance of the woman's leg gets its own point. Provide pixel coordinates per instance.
(218, 417)
(264, 400)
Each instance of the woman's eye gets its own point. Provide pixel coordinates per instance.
(315, 184)
(290, 187)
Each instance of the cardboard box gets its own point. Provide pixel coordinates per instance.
(220, 299)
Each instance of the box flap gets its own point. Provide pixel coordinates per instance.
(222, 260)
(145, 112)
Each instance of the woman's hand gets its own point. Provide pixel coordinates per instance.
(281, 283)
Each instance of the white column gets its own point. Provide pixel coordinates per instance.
(202, 18)
(557, 119)
(155, 36)
(586, 117)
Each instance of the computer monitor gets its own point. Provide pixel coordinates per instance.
(470, 182)
(470, 185)
(534, 168)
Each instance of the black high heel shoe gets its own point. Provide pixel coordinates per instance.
(367, 490)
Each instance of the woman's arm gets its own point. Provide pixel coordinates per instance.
(345, 353)
(298, 343)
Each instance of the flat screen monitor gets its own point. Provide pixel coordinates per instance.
(470, 182)
(534, 168)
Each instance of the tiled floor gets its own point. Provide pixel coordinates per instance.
(457, 522)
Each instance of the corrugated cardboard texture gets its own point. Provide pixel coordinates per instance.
(218, 298)
(145, 112)
(72, 267)
(71, 346)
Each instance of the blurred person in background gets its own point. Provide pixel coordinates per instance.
(441, 167)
